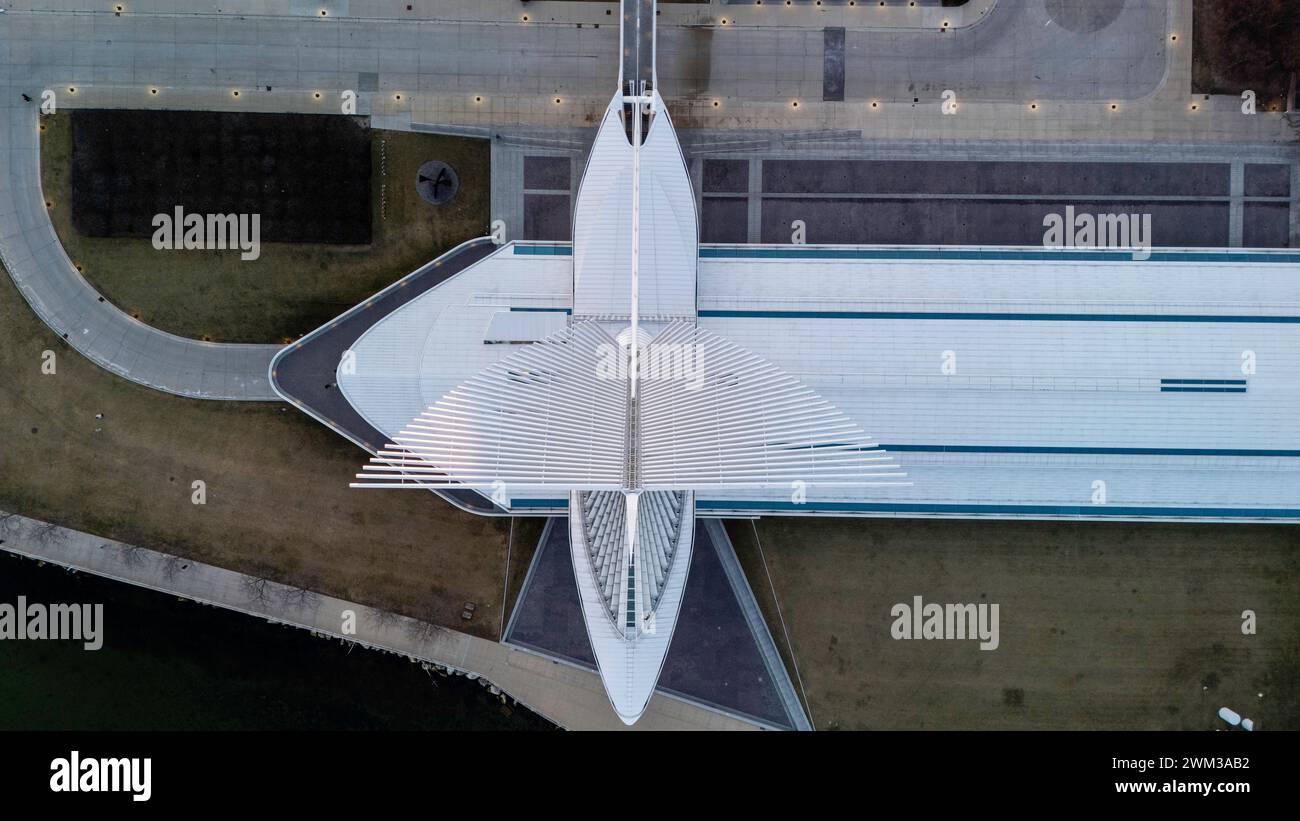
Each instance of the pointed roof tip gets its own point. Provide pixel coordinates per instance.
(625, 709)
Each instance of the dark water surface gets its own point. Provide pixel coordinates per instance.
(169, 664)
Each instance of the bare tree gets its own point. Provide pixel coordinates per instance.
(420, 630)
(132, 555)
(300, 597)
(170, 566)
(257, 589)
(384, 618)
(8, 521)
(47, 533)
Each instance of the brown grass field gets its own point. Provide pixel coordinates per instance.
(278, 502)
(1103, 625)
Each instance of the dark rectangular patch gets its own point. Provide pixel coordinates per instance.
(546, 217)
(726, 176)
(1268, 180)
(1091, 179)
(725, 219)
(977, 221)
(306, 175)
(833, 65)
(1266, 225)
(546, 173)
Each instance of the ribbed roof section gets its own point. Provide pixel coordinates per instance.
(712, 414)
(551, 415)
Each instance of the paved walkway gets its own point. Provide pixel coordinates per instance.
(570, 697)
(864, 15)
(491, 71)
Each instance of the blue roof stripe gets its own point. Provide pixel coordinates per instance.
(1045, 255)
(543, 250)
(1202, 381)
(971, 509)
(1022, 510)
(1167, 389)
(1004, 316)
(1091, 451)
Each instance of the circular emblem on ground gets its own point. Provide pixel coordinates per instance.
(1084, 16)
(437, 182)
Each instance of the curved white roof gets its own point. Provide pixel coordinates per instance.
(630, 661)
(668, 236)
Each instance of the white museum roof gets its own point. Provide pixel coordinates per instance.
(1069, 369)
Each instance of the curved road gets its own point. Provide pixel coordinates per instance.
(93, 326)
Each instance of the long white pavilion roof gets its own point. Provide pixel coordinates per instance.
(1060, 358)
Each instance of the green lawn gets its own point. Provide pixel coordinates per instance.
(292, 288)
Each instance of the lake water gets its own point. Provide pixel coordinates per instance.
(170, 664)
